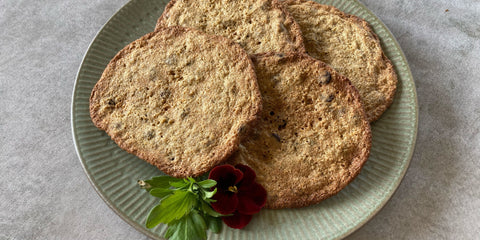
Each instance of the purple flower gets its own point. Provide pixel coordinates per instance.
(237, 194)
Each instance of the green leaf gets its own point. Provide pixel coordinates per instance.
(175, 230)
(153, 217)
(179, 184)
(160, 192)
(207, 209)
(207, 183)
(171, 208)
(161, 182)
(214, 224)
(209, 200)
(189, 227)
(210, 194)
(170, 230)
(199, 224)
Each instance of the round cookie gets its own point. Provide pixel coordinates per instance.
(313, 136)
(259, 26)
(178, 98)
(349, 45)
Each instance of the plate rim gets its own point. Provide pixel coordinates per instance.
(75, 140)
(402, 174)
(369, 217)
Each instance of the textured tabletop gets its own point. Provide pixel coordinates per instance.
(45, 193)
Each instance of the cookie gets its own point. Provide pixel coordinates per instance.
(178, 98)
(313, 136)
(257, 25)
(349, 45)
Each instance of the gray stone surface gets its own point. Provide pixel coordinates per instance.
(46, 195)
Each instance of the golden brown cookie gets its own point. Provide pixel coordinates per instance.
(313, 136)
(349, 45)
(178, 98)
(257, 25)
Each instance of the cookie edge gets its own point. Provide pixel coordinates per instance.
(295, 30)
(221, 155)
(379, 110)
(357, 162)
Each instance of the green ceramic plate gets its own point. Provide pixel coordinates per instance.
(114, 173)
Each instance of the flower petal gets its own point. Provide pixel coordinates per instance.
(248, 173)
(251, 198)
(226, 202)
(237, 220)
(226, 176)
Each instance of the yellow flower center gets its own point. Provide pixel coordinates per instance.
(233, 189)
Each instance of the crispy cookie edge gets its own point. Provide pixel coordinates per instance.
(224, 153)
(357, 162)
(295, 31)
(391, 74)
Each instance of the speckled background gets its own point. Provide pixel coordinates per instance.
(46, 195)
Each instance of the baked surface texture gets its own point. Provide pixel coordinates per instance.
(313, 136)
(349, 45)
(178, 98)
(259, 26)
